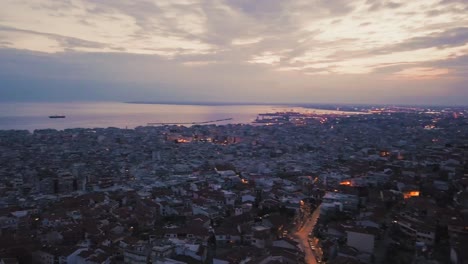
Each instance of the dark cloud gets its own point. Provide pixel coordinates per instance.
(446, 39)
(71, 43)
(449, 6)
(337, 7)
(4, 43)
(149, 17)
(459, 62)
(458, 67)
(65, 41)
(462, 2)
(392, 68)
(375, 5)
(259, 7)
(449, 38)
(54, 5)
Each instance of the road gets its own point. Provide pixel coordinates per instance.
(302, 236)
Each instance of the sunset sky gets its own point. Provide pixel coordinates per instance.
(314, 51)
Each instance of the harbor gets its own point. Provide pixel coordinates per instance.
(189, 123)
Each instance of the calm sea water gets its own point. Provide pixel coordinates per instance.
(30, 116)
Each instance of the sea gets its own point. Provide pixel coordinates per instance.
(35, 115)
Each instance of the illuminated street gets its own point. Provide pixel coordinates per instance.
(302, 236)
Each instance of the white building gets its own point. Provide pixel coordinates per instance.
(348, 202)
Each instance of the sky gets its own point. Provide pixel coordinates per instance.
(294, 51)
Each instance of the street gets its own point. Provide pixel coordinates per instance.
(302, 236)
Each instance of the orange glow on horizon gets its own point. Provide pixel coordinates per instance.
(418, 73)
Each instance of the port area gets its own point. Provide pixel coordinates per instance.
(189, 123)
(297, 118)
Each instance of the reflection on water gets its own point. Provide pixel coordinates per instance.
(32, 116)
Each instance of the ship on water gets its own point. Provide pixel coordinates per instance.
(57, 116)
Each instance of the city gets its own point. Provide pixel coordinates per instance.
(384, 185)
(234, 132)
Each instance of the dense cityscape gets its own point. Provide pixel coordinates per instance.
(234, 132)
(382, 185)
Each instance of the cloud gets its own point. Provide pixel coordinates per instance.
(421, 73)
(265, 45)
(382, 4)
(64, 41)
(246, 41)
(266, 58)
(137, 27)
(450, 38)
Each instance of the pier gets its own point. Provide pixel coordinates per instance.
(189, 123)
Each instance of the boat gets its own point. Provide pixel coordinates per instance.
(57, 116)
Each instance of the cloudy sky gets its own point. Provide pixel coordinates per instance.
(318, 51)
